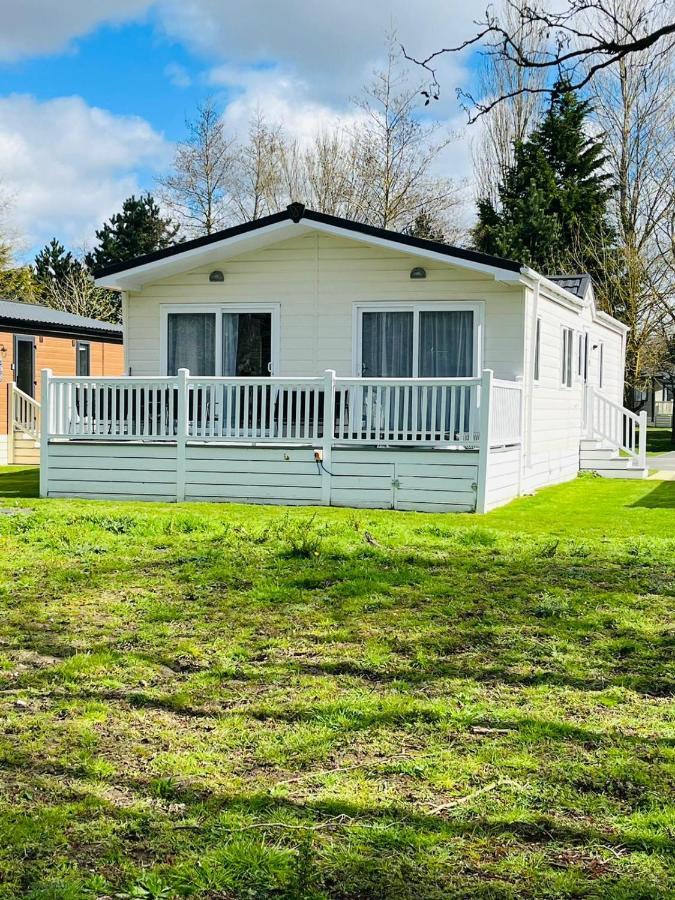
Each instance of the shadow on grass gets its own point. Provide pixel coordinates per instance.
(662, 497)
(19, 481)
(659, 440)
(267, 812)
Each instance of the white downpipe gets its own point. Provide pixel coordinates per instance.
(528, 414)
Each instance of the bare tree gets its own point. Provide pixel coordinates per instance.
(511, 121)
(634, 104)
(258, 184)
(77, 293)
(585, 37)
(393, 154)
(197, 190)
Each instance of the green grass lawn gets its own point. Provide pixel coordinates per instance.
(244, 702)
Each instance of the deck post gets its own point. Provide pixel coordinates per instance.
(642, 440)
(327, 436)
(589, 423)
(181, 432)
(45, 422)
(484, 444)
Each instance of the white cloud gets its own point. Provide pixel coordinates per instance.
(68, 165)
(330, 46)
(178, 75)
(36, 27)
(300, 62)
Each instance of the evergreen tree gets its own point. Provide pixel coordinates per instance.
(138, 229)
(426, 226)
(54, 263)
(552, 205)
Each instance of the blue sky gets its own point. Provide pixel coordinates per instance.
(93, 95)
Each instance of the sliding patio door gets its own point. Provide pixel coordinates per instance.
(231, 342)
(387, 344)
(191, 340)
(247, 344)
(445, 342)
(419, 342)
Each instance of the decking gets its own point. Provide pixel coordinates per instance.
(425, 444)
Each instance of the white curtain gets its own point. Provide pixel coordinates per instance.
(230, 343)
(192, 343)
(387, 348)
(446, 344)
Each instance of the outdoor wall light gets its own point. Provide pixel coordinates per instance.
(418, 272)
(217, 276)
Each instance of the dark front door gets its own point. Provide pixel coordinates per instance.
(24, 365)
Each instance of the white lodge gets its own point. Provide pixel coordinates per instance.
(305, 359)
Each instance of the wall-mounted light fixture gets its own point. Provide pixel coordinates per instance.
(418, 272)
(216, 276)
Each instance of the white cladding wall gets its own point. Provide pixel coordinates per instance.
(406, 479)
(554, 413)
(317, 279)
(4, 449)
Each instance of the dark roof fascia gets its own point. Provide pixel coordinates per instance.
(177, 249)
(418, 243)
(324, 219)
(25, 326)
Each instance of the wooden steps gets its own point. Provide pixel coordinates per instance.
(25, 450)
(601, 457)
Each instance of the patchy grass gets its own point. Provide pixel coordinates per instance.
(245, 702)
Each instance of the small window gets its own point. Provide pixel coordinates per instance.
(601, 365)
(83, 359)
(537, 350)
(580, 360)
(567, 353)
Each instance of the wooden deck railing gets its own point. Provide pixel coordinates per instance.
(25, 413)
(367, 411)
(607, 420)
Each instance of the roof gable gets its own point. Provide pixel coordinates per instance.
(292, 222)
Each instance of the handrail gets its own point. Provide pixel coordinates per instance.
(610, 421)
(420, 412)
(25, 412)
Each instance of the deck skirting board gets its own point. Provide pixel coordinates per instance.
(406, 478)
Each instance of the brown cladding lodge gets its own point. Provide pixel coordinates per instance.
(33, 338)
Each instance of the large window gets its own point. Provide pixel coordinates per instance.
(567, 354)
(407, 342)
(223, 340)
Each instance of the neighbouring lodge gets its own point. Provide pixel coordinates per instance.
(33, 338)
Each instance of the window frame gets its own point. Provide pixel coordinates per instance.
(567, 356)
(477, 307)
(218, 309)
(536, 367)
